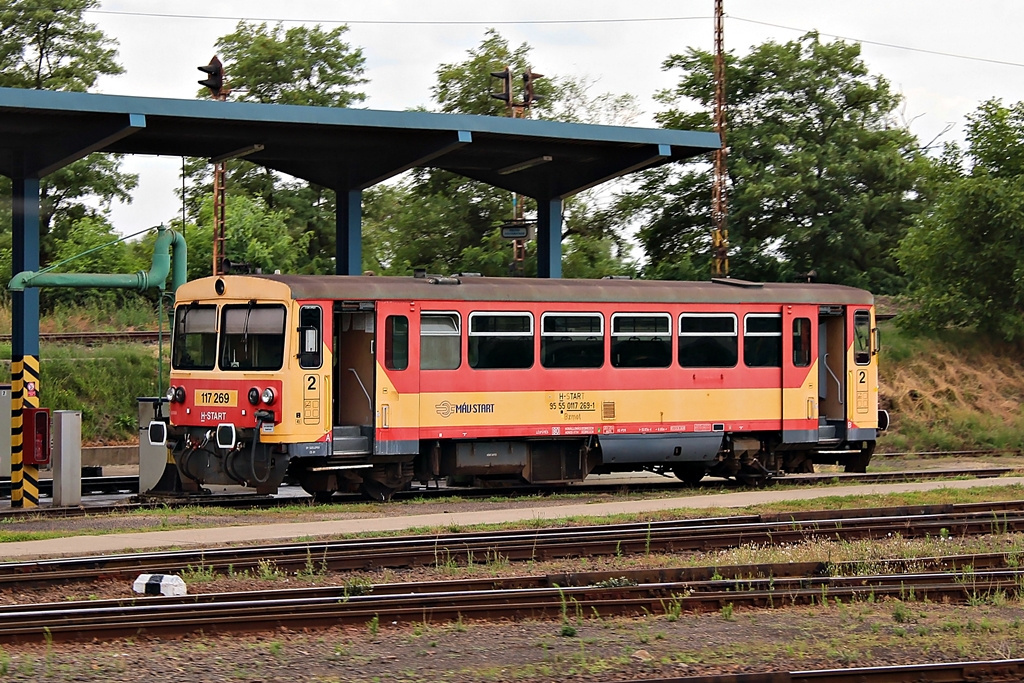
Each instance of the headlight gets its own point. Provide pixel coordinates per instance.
(170, 394)
(254, 396)
(179, 394)
(268, 396)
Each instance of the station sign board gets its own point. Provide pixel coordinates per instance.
(517, 232)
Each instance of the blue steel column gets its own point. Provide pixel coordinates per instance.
(549, 238)
(24, 336)
(349, 232)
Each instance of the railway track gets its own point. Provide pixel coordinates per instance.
(593, 594)
(994, 671)
(129, 485)
(534, 544)
(92, 338)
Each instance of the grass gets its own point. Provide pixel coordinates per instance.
(197, 517)
(950, 391)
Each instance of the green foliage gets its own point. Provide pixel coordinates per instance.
(966, 253)
(821, 174)
(465, 87)
(301, 65)
(78, 378)
(448, 224)
(293, 220)
(49, 46)
(92, 247)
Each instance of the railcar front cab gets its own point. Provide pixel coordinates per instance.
(232, 357)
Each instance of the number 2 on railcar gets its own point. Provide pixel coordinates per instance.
(371, 383)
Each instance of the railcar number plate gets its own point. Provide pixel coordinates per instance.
(216, 398)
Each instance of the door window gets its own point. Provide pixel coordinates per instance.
(862, 337)
(801, 342)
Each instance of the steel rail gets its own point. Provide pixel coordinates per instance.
(533, 544)
(940, 672)
(486, 600)
(129, 485)
(145, 336)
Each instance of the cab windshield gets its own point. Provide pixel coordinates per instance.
(194, 341)
(252, 337)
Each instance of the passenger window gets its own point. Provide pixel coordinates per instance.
(572, 340)
(708, 340)
(440, 341)
(500, 340)
(310, 331)
(801, 342)
(862, 337)
(762, 340)
(396, 342)
(641, 340)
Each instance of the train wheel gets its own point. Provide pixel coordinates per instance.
(690, 473)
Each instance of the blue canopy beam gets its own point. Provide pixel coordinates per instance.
(55, 153)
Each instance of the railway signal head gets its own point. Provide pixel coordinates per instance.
(215, 78)
(506, 85)
(529, 96)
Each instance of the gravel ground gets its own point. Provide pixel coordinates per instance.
(863, 633)
(858, 634)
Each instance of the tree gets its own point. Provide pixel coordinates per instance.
(821, 175)
(965, 254)
(49, 46)
(301, 66)
(447, 223)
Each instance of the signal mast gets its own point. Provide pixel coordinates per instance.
(719, 209)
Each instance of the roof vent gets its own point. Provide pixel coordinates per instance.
(617, 277)
(419, 273)
(442, 280)
(737, 283)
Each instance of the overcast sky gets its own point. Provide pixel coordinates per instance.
(944, 56)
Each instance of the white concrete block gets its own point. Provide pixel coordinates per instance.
(160, 584)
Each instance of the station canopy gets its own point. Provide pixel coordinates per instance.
(342, 149)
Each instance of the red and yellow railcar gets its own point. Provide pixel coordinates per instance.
(374, 382)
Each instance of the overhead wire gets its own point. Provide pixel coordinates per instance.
(542, 22)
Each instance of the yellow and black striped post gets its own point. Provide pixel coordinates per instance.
(24, 394)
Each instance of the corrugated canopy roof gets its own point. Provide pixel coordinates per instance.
(348, 149)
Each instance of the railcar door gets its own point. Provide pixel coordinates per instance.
(863, 372)
(832, 394)
(354, 374)
(398, 387)
(799, 381)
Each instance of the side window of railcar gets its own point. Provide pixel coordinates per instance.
(252, 337)
(310, 331)
(572, 340)
(195, 337)
(762, 340)
(500, 340)
(801, 342)
(641, 340)
(862, 337)
(440, 341)
(708, 340)
(396, 342)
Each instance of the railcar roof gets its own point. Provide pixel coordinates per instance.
(540, 289)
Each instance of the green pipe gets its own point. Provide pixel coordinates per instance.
(141, 281)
